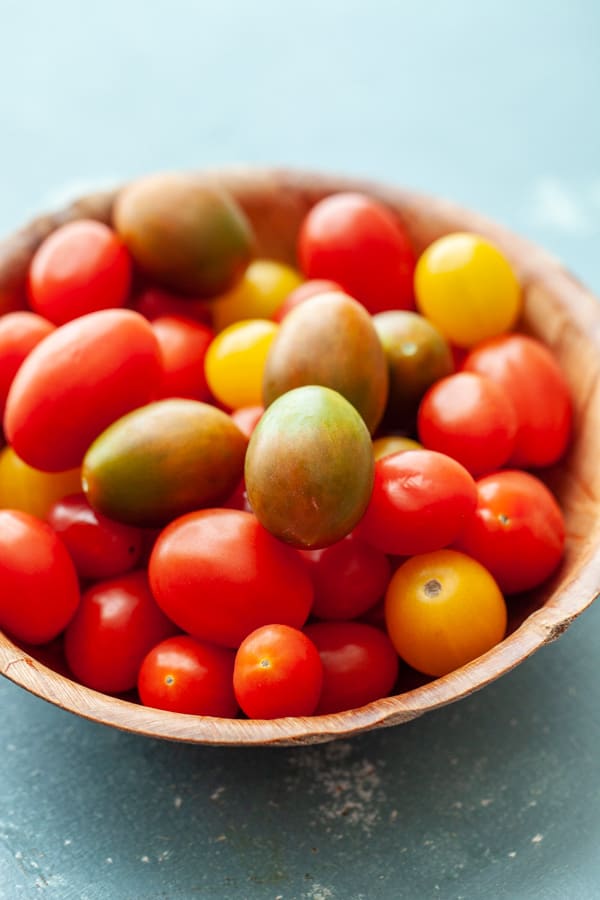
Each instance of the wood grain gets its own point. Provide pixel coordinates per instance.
(558, 310)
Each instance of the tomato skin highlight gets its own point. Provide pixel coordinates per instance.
(219, 575)
(39, 590)
(359, 661)
(77, 381)
(517, 531)
(277, 672)
(182, 674)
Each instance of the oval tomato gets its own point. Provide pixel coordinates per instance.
(183, 345)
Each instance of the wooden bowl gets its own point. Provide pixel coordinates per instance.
(558, 310)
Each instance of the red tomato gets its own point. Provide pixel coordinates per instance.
(360, 244)
(99, 547)
(246, 418)
(185, 675)
(420, 502)
(303, 292)
(183, 345)
(517, 532)
(19, 334)
(116, 625)
(531, 377)
(349, 577)
(277, 672)
(81, 267)
(220, 575)
(77, 381)
(39, 591)
(153, 303)
(470, 418)
(359, 664)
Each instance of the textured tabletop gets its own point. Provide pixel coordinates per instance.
(492, 105)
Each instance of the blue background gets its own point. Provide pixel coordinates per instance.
(492, 105)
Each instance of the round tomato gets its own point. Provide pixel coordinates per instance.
(219, 575)
(185, 675)
(349, 577)
(277, 672)
(32, 491)
(235, 362)
(442, 610)
(263, 287)
(247, 417)
(39, 591)
(359, 661)
(80, 268)
(517, 532)
(531, 377)
(420, 501)
(359, 243)
(154, 303)
(388, 444)
(183, 344)
(19, 334)
(116, 625)
(99, 547)
(303, 292)
(470, 418)
(76, 382)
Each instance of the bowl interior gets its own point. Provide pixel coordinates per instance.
(557, 310)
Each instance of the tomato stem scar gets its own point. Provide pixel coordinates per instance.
(432, 588)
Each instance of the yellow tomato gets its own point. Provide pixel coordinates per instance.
(262, 290)
(467, 288)
(393, 443)
(442, 610)
(235, 362)
(30, 490)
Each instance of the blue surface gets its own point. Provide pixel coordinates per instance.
(490, 104)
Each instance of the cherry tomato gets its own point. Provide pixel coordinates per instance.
(39, 591)
(420, 501)
(77, 381)
(235, 362)
(359, 661)
(532, 378)
(278, 672)
(442, 610)
(465, 285)
(517, 532)
(470, 418)
(185, 675)
(80, 268)
(303, 292)
(32, 491)
(261, 291)
(154, 303)
(19, 334)
(393, 443)
(183, 344)
(349, 577)
(116, 625)
(99, 547)
(359, 243)
(247, 417)
(219, 575)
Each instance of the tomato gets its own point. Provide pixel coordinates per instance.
(32, 491)
(247, 418)
(116, 625)
(235, 362)
(359, 243)
(185, 675)
(183, 344)
(388, 444)
(264, 286)
(19, 334)
(471, 418)
(277, 672)
(517, 532)
(39, 591)
(349, 577)
(359, 661)
(77, 381)
(99, 547)
(219, 575)
(80, 268)
(467, 288)
(303, 292)
(154, 303)
(442, 610)
(420, 501)
(531, 376)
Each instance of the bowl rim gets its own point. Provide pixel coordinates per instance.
(535, 267)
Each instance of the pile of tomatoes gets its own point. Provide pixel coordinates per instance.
(233, 485)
